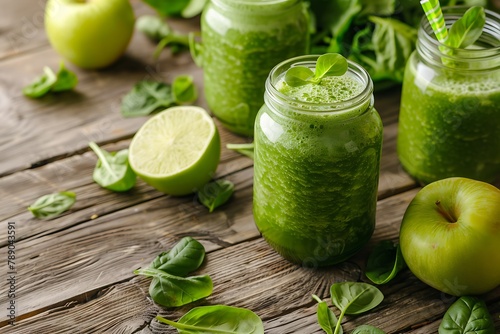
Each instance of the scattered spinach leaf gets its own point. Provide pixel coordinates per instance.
(216, 193)
(329, 64)
(185, 257)
(467, 315)
(180, 8)
(217, 319)
(52, 205)
(354, 298)
(50, 82)
(145, 98)
(41, 85)
(184, 89)
(466, 30)
(326, 318)
(112, 170)
(384, 262)
(66, 79)
(154, 27)
(172, 291)
(245, 149)
(367, 329)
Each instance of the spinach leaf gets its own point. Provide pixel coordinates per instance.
(326, 318)
(298, 76)
(153, 27)
(184, 89)
(185, 257)
(52, 205)
(467, 315)
(112, 170)
(145, 98)
(171, 291)
(66, 80)
(331, 64)
(384, 262)
(384, 54)
(466, 30)
(41, 85)
(367, 329)
(50, 82)
(378, 7)
(245, 149)
(355, 297)
(217, 319)
(216, 193)
(183, 8)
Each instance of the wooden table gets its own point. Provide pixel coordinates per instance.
(73, 274)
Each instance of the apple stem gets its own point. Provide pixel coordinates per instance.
(445, 213)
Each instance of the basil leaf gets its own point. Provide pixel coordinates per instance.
(194, 8)
(184, 89)
(326, 318)
(185, 257)
(52, 205)
(245, 149)
(146, 97)
(332, 64)
(384, 262)
(112, 170)
(216, 193)
(217, 319)
(66, 80)
(466, 30)
(41, 85)
(298, 76)
(153, 27)
(367, 329)
(467, 315)
(354, 297)
(172, 291)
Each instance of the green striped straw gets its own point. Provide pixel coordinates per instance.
(435, 16)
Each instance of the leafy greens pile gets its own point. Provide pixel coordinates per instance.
(380, 35)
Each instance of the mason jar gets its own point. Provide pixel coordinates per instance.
(449, 121)
(242, 41)
(316, 168)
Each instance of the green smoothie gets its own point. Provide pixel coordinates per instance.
(317, 155)
(242, 42)
(449, 124)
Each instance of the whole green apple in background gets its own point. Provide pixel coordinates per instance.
(90, 34)
(450, 236)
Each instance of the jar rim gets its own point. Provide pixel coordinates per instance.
(314, 107)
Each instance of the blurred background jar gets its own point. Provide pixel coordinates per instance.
(449, 122)
(242, 41)
(316, 165)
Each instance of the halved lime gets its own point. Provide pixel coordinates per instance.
(176, 151)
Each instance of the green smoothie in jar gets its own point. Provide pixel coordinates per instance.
(242, 41)
(317, 156)
(449, 122)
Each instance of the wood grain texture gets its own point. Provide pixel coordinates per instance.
(75, 271)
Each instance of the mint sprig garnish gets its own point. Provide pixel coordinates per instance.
(466, 30)
(329, 64)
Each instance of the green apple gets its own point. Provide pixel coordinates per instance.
(450, 236)
(91, 34)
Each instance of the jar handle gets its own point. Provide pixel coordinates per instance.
(196, 49)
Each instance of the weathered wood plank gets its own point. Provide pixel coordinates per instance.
(106, 250)
(249, 274)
